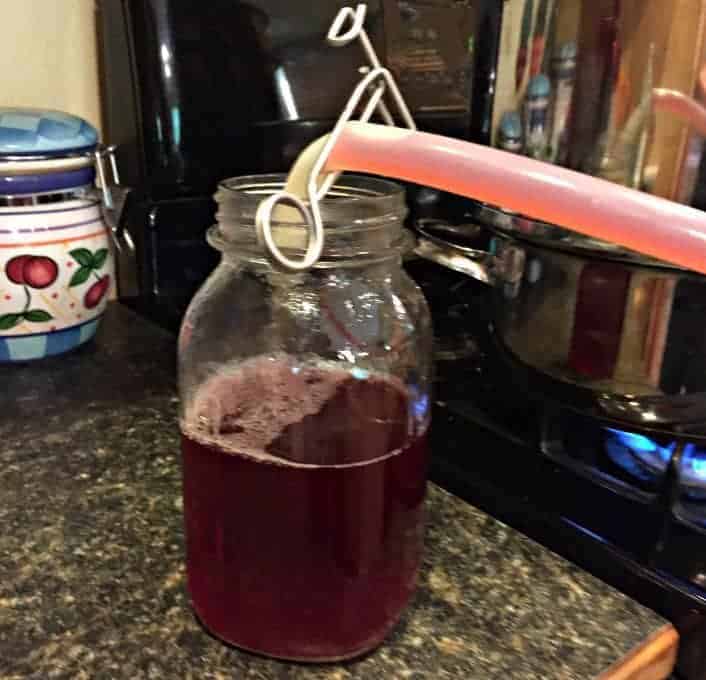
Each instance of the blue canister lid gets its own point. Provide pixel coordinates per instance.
(43, 132)
(17, 185)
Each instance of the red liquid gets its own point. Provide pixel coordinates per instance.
(308, 563)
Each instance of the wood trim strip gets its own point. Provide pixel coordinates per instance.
(653, 659)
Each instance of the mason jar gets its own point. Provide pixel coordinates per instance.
(304, 416)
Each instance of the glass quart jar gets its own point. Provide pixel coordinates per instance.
(304, 416)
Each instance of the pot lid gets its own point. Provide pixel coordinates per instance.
(43, 132)
(554, 236)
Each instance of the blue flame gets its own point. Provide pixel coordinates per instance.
(421, 407)
(648, 450)
(694, 464)
(699, 467)
(657, 456)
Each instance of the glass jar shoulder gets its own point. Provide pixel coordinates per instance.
(372, 318)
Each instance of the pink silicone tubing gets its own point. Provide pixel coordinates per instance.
(600, 209)
(681, 106)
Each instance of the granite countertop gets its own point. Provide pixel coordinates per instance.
(91, 556)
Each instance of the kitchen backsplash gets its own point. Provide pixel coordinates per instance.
(49, 56)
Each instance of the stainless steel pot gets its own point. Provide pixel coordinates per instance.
(587, 313)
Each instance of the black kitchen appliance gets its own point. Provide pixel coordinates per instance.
(197, 92)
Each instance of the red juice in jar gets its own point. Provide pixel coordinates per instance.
(303, 502)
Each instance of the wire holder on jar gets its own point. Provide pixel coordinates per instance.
(369, 94)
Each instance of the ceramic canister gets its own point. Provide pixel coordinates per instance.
(56, 267)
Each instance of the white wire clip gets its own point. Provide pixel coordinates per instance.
(375, 83)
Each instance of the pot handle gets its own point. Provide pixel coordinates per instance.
(478, 264)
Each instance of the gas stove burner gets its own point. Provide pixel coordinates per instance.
(693, 472)
(646, 451)
(647, 459)
(637, 455)
(457, 347)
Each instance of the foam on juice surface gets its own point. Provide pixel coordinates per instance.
(277, 410)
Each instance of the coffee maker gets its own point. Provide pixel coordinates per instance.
(197, 92)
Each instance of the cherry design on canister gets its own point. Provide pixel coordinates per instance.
(31, 272)
(90, 264)
(34, 271)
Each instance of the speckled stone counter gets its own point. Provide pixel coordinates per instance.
(91, 561)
